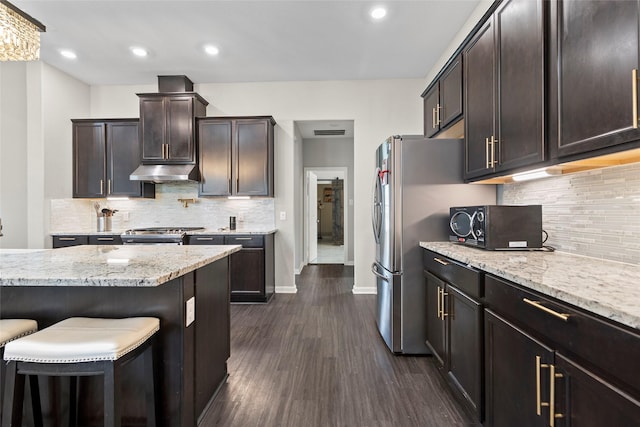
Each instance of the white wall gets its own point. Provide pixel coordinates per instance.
(13, 154)
(378, 108)
(37, 103)
(457, 40)
(298, 213)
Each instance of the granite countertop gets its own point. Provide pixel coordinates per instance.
(112, 265)
(607, 288)
(216, 231)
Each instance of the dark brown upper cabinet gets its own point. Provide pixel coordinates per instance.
(504, 86)
(443, 102)
(593, 95)
(167, 127)
(105, 152)
(236, 156)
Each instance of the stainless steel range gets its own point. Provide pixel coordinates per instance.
(156, 235)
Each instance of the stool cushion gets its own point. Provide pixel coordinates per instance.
(11, 329)
(82, 339)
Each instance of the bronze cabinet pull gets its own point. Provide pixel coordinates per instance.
(539, 306)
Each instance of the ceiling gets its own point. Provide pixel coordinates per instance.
(261, 40)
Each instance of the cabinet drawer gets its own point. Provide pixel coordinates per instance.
(205, 240)
(105, 240)
(65, 241)
(247, 241)
(467, 279)
(602, 345)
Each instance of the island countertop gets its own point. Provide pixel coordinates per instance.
(112, 265)
(607, 288)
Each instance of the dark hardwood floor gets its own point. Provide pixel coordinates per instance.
(315, 359)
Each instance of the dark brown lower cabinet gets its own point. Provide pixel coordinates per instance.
(552, 364)
(252, 269)
(454, 327)
(586, 400)
(435, 326)
(84, 239)
(510, 375)
(66, 241)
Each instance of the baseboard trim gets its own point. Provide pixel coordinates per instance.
(286, 290)
(364, 291)
(349, 263)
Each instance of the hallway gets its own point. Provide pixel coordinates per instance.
(315, 359)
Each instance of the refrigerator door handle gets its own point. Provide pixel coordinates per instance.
(376, 207)
(374, 270)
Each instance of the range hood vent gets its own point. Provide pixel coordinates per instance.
(328, 132)
(165, 173)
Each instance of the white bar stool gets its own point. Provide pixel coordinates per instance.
(12, 329)
(81, 346)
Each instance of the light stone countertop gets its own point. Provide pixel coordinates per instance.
(207, 231)
(108, 265)
(607, 288)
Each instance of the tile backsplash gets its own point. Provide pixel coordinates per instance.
(594, 213)
(78, 215)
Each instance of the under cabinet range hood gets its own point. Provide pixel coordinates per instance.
(168, 132)
(165, 173)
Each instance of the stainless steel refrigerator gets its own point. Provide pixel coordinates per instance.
(416, 181)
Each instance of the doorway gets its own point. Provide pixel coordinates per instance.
(325, 227)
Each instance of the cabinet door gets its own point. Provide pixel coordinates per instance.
(431, 104)
(66, 241)
(464, 317)
(253, 157)
(479, 99)
(597, 51)
(89, 160)
(510, 376)
(451, 93)
(205, 240)
(247, 274)
(105, 240)
(123, 157)
(435, 322)
(153, 128)
(586, 400)
(215, 157)
(520, 63)
(180, 129)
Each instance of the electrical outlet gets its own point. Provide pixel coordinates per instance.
(283, 216)
(125, 216)
(190, 311)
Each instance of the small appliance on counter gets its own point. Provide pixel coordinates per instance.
(497, 227)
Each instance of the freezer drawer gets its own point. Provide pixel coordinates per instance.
(389, 307)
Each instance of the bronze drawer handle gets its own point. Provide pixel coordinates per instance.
(439, 261)
(538, 305)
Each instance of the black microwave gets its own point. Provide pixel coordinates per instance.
(497, 227)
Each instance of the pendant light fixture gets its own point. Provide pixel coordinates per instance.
(19, 34)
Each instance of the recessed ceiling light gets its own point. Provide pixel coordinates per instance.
(69, 54)
(378, 13)
(211, 50)
(139, 51)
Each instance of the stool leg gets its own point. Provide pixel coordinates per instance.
(13, 397)
(111, 401)
(73, 401)
(150, 387)
(35, 400)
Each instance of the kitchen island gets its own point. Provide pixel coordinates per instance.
(163, 281)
